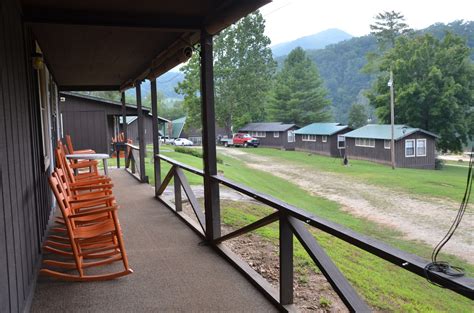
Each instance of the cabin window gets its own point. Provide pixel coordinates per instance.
(258, 134)
(309, 137)
(341, 142)
(276, 134)
(409, 148)
(365, 142)
(291, 136)
(324, 138)
(44, 86)
(386, 144)
(421, 147)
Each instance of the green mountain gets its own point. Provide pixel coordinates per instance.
(315, 41)
(340, 65)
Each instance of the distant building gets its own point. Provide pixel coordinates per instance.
(414, 147)
(194, 134)
(277, 134)
(322, 138)
(92, 122)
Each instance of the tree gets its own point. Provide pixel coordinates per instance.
(357, 115)
(299, 95)
(387, 27)
(434, 88)
(243, 74)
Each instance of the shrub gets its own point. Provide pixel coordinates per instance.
(439, 164)
(194, 152)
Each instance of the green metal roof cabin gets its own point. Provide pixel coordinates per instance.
(414, 147)
(322, 138)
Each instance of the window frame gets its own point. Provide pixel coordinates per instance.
(308, 137)
(389, 144)
(413, 141)
(291, 136)
(276, 134)
(365, 142)
(341, 138)
(425, 147)
(324, 138)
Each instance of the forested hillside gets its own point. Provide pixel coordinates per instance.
(340, 64)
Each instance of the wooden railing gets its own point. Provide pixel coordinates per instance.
(132, 162)
(292, 221)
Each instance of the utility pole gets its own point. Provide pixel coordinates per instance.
(392, 119)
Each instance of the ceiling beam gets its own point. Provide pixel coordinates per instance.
(69, 17)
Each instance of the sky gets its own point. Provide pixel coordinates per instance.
(287, 20)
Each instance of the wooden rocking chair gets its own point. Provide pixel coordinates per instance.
(71, 148)
(88, 240)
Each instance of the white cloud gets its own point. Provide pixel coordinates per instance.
(291, 19)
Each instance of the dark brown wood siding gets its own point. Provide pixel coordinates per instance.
(424, 162)
(277, 142)
(381, 155)
(328, 148)
(90, 123)
(132, 130)
(25, 200)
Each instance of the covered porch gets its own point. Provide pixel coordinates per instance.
(173, 270)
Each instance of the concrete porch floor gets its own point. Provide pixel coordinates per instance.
(172, 272)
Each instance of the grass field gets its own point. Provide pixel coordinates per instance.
(448, 182)
(386, 287)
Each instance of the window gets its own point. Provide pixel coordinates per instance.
(387, 144)
(409, 148)
(276, 134)
(309, 137)
(341, 142)
(258, 134)
(324, 138)
(291, 136)
(44, 85)
(365, 142)
(421, 147)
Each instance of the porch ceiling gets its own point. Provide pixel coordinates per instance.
(107, 44)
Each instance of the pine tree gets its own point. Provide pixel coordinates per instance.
(299, 95)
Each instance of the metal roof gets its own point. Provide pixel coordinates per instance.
(178, 125)
(111, 44)
(375, 131)
(325, 129)
(267, 127)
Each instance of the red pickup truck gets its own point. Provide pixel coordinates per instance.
(240, 139)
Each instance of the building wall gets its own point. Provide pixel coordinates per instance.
(381, 155)
(25, 199)
(90, 123)
(279, 142)
(328, 148)
(132, 130)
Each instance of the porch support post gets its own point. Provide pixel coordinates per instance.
(156, 137)
(141, 134)
(211, 187)
(286, 261)
(124, 126)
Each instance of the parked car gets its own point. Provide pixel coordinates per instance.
(166, 140)
(240, 139)
(182, 142)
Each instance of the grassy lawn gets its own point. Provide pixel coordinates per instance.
(448, 182)
(384, 286)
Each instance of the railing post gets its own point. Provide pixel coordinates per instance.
(156, 137)
(124, 126)
(141, 134)
(178, 204)
(286, 261)
(211, 187)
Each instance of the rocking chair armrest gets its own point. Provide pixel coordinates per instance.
(92, 203)
(94, 212)
(85, 200)
(92, 186)
(91, 181)
(91, 195)
(83, 164)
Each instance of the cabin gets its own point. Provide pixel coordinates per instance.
(92, 121)
(52, 46)
(322, 138)
(273, 135)
(414, 147)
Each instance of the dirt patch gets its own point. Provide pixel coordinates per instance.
(418, 218)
